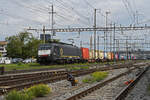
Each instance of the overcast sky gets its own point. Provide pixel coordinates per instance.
(15, 15)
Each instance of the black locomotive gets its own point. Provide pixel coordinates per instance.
(58, 53)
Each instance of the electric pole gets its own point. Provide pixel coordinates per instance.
(91, 46)
(127, 47)
(137, 17)
(81, 44)
(110, 39)
(44, 34)
(106, 28)
(98, 45)
(52, 12)
(104, 44)
(114, 41)
(94, 33)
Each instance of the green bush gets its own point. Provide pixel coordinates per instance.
(78, 68)
(85, 67)
(15, 95)
(39, 90)
(95, 77)
(30, 93)
(99, 75)
(75, 68)
(88, 80)
(19, 63)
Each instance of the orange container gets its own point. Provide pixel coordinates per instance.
(112, 56)
(91, 54)
(85, 53)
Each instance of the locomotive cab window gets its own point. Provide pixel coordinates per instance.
(44, 48)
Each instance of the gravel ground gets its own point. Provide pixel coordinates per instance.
(140, 91)
(63, 90)
(109, 91)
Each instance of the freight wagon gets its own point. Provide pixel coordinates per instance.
(85, 54)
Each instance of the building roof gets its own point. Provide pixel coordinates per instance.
(3, 43)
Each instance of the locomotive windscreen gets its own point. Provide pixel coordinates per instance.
(44, 47)
(44, 50)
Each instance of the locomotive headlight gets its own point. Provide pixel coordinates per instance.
(44, 52)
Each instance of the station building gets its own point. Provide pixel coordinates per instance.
(3, 50)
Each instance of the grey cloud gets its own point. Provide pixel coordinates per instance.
(73, 13)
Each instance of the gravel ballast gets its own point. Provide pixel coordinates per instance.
(63, 90)
(140, 91)
(109, 91)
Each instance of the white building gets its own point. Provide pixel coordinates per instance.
(3, 50)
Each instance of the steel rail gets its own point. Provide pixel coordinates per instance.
(122, 95)
(96, 87)
(39, 76)
(21, 83)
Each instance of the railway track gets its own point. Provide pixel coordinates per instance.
(62, 90)
(42, 69)
(122, 95)
(22, 78)
(48, 69)
(24, 75)
(20, 82)
(96, 87)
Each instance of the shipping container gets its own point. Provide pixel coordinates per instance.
(129, 57)
(96, 54)
(122, 57)
(135, 58)
(125, 57)
(91, 54)
(112, 55)
(85, 53)
(109, 55)
(117, 56)
(105, 55)
(132, 57)
(101, 55)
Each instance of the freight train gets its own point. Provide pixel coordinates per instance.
(68, 53)
(59, 53)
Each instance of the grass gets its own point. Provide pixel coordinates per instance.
(95, 77)
(17, 95)
(75, 66)
(78, 68)
(39, 90)
(21, 66)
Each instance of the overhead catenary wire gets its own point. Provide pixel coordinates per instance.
(132, 13)
(89, 4)
(31, 10)
(72, 9)
(130, 6)
(19, 17)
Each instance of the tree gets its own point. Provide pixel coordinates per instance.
(23, 45)
(53, 41)
(32, 47)
(0, 54)
(13, 47)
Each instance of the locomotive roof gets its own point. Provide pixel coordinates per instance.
(47, 44)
